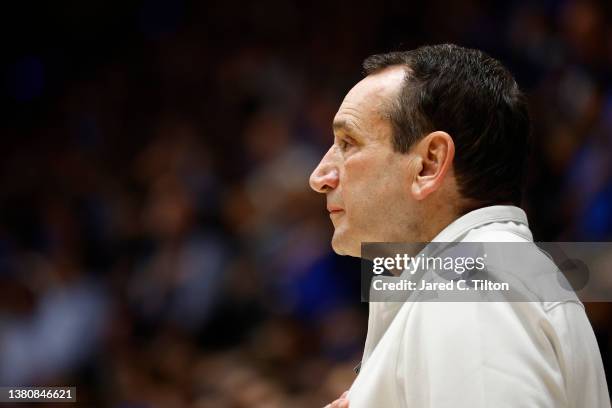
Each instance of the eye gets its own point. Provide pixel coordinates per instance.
(344, 144)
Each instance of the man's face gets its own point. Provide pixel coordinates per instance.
(367, 183)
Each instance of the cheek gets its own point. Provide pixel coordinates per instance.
(375, 184)
(358, 181)
(365, 180)
(365, 166)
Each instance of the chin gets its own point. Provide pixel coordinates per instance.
(343, 246)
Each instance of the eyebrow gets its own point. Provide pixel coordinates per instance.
(343, 124)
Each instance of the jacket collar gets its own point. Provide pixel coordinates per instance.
(478, 218)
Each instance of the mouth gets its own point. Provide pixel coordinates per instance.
(333, 209)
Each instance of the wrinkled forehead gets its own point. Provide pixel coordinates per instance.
(370, 99)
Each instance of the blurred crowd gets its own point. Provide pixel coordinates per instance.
(159, 243)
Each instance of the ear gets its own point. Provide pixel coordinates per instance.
(435, 154)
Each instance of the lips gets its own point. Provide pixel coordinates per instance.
(334, 209)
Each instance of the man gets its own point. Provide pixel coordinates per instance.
(431, 146)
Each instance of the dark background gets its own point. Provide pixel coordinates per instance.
(159, 244)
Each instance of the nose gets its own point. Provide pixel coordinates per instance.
(325, 177)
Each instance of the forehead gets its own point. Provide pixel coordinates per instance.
(366, 103)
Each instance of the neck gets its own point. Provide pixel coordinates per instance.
(437, 217)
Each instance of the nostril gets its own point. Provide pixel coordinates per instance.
(324, 182)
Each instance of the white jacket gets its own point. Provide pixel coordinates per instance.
(480, 354)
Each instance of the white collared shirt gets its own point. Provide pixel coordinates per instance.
(477, 354)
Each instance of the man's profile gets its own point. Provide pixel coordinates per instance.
(432, 146)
